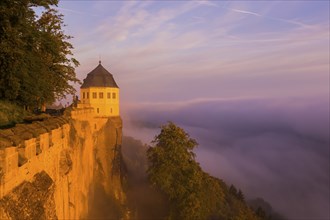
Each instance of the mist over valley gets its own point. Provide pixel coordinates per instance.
(273, 149)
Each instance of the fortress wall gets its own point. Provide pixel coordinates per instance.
(82, 113)
(66, 149)
(22, 162)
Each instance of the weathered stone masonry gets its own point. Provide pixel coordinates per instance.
(59, 151)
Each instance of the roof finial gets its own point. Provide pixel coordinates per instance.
(99, 59)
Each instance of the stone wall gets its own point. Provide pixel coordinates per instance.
(64, 149)
(28, 149)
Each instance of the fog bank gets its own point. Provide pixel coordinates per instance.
(274, 149)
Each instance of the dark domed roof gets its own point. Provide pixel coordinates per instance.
(99, 77)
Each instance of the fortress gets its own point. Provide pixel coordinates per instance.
(101, 92)
(48, 168)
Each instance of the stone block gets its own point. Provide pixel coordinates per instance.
(30, 148)
(44, 141)
(8, 162)
(21, 156)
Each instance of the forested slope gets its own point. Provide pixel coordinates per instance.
(165, 181)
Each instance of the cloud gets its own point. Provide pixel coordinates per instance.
(271, 148)
(265, 16)
(75, 11)
(168, 39)
(245, 12)
(136, 19)
(208, 3)
(161, 43)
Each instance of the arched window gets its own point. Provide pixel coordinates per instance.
(98, 111)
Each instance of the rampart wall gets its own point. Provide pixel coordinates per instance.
(27, 149)
(63, 147)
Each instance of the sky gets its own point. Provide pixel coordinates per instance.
(248, 79)
(184, 50)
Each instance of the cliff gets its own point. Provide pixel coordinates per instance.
(57, 167)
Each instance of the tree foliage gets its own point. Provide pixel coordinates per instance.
(193, 194)
(36, 63)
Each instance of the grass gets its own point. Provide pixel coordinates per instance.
(10, 114)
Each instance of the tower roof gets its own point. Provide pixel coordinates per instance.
(99, 77)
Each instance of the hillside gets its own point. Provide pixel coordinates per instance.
(215, 196)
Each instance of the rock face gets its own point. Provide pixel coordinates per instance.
(31, 200)
(108, 199)
(63, 170)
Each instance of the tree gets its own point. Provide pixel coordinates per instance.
(54, 50)
(192, 193)
(174, 170)
(240, 196)
(36, 63)
(173, 150)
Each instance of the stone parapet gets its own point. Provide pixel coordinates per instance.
(67, 149)
(23, 145)
(83, 113)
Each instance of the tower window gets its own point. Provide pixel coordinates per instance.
(101, 95)
(113, 95)
(108, 95)
(98, 111)
(94, 95)
(83, 95)
(87, 93)
(110, 110)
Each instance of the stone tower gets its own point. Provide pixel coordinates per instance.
(100, 91)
